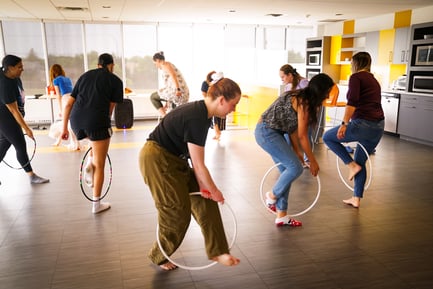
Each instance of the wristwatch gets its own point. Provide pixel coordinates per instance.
(343, 123)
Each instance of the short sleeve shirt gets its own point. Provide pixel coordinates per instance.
(187, 123)
(64, 83)
(9, 93)
(93, 93)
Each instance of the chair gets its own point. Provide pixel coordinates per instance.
(330, 102)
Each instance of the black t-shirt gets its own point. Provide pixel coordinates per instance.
(9, 93)
(187, 123)
(93, 93)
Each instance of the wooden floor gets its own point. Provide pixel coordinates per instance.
(49, 239)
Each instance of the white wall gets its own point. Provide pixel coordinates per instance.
(422, 15)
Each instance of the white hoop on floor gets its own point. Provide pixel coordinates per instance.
(369, 166)
(263, 197)
(198, 267)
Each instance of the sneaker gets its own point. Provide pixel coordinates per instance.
(286, 221)
(100, 207)
(270, 203)
(88, 174)
(35, 179)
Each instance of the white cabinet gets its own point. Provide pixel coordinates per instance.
(401, 46)
(415, 117)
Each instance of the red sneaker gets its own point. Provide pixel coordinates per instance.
(287, 222)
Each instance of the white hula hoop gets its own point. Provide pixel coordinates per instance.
(263, 197)
(369, 166)
(204, 266)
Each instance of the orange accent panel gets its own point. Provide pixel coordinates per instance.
(402, 18)
(349, 27)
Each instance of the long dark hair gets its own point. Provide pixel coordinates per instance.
(314, 94)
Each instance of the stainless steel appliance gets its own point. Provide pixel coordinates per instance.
(424, 55)
(313, 59)
(422, 83)
(390, 106)
(312, 72)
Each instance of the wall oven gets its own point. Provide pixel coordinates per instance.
(424, 55)
(313, 59)
(312, 72)
(422, 83)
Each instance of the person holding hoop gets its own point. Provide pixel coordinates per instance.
(175, 91)
(90, 107)
(164, 164)
(12, 113)
(363, 122)
(291, 113)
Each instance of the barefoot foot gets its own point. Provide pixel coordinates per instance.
(227, 260)
(354, 168)
(168, 266)
(353, 201)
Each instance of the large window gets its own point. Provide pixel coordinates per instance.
(175, 40)
(65, 47)
(24, 39)
(104, 38)
(239, 53)
(139, 48)
(208, 53)
(249, 54)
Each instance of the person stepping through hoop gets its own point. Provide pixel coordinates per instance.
(292, 113)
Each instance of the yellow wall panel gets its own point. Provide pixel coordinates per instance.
(255, 101)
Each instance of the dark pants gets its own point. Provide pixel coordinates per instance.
(12, 134)
(157, 101)
(171, 180)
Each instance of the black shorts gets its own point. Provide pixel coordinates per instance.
(94, 135)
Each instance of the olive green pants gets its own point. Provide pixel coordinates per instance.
(170, 180)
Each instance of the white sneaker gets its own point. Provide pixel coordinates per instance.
(88, 174)
(100, 207)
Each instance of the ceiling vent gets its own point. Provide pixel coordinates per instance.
(72, 9)
(331, 20)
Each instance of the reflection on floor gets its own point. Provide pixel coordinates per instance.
(50, 239)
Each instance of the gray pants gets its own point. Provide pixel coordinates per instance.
(170, 180)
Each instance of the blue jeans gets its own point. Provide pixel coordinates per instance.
(367, 133)
(274, 143)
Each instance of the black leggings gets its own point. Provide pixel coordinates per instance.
(12, 134)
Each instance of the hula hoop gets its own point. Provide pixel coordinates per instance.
(30, 159)
(197, 267)
(369, 166)
(82, 174)
(291, 215)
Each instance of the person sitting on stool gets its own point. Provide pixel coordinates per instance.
(175, 91)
